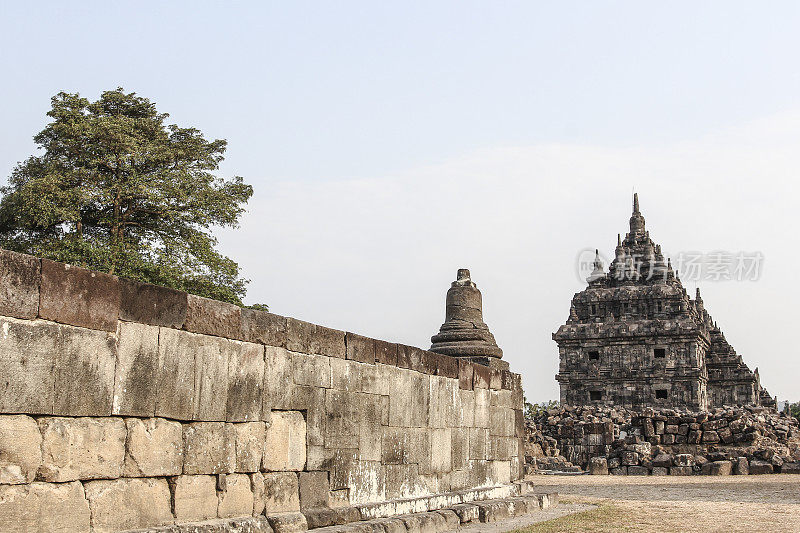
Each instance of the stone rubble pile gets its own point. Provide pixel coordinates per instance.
(725, 440)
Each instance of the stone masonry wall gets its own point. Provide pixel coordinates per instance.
(125, 405)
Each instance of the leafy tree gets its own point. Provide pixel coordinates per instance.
(118, 190)
(535, 410)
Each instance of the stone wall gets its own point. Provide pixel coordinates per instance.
(125, 405)
(662, 441)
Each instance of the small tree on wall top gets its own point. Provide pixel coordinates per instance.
(118, 190)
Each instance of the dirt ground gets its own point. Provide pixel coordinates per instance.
(676, 504)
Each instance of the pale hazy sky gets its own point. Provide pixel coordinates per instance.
(391, 144)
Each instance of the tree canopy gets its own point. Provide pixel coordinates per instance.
(118, 190)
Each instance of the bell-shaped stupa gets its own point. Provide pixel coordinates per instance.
(464, 334)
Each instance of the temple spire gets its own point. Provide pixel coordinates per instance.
(637, 220)
(635, 203)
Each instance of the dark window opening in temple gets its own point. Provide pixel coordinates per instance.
(594, 356)
(595, 395)
(661, 394)
(660, 353)
(594, 309)
(658, 307)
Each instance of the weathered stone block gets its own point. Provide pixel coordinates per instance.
(257, 486)
(790, 468)
(742, 467)
(84, 373)
(410, 357)
(80, 297)
(299, 335)
(152, 304)
(311, 370)
(20, 275)
(346, 375)
(285, 444)
(360, 348)
(663, 460)
(288, 522)
(194, 498)
(44, 507)
(212, 317)
(20, 449)
(136, 370)
(441, 450)
(760, 467)
(81, 448)
(209, 448)
(684, 459)
(281, 493)
(447, 366)
(249, 445)
(263, 327)
(681, 471)
(245, 382)
(211, 378)
(278, 379)
(154, 447)
(598, 466)
(237, 497)
(28, 350)
(176, 373)
(314, 490)
(638, 471)
(659, 471)
(324, 517)
(386, 353)
(465, 374)
(717, 468)
(329, 342)
(619, 471)
(123, 504)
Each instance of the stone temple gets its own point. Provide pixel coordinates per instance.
(634, 338)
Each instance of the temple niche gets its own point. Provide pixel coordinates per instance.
(634, 338)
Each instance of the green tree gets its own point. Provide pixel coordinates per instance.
(118, 190)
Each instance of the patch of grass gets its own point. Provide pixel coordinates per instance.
(606, 518)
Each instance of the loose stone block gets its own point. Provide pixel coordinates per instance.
(20, 449)
(311, 370)
(123, 504)
(742, 467)
(659, 471)
(598, 466)
(360, 348)
(237, 498)
(314, 490)
(684, 459)
(285, 445)
(151, 304)
(20, 275)
(281, 493)
(44, 507)
(263, 328)
(81, 448)
(760, 467)
(176, 373)
(249, 445)
(638, 471)
(211, 378)
(790, 468)
(288, 522)
(717, 468)
(194, 498)
(245, 382)
(212, 317)
(681, 471)
(80, 297)
(154, 447)
(324, 517)
(136, 370)
(84, 373)
(28, 350)
(209, 448)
